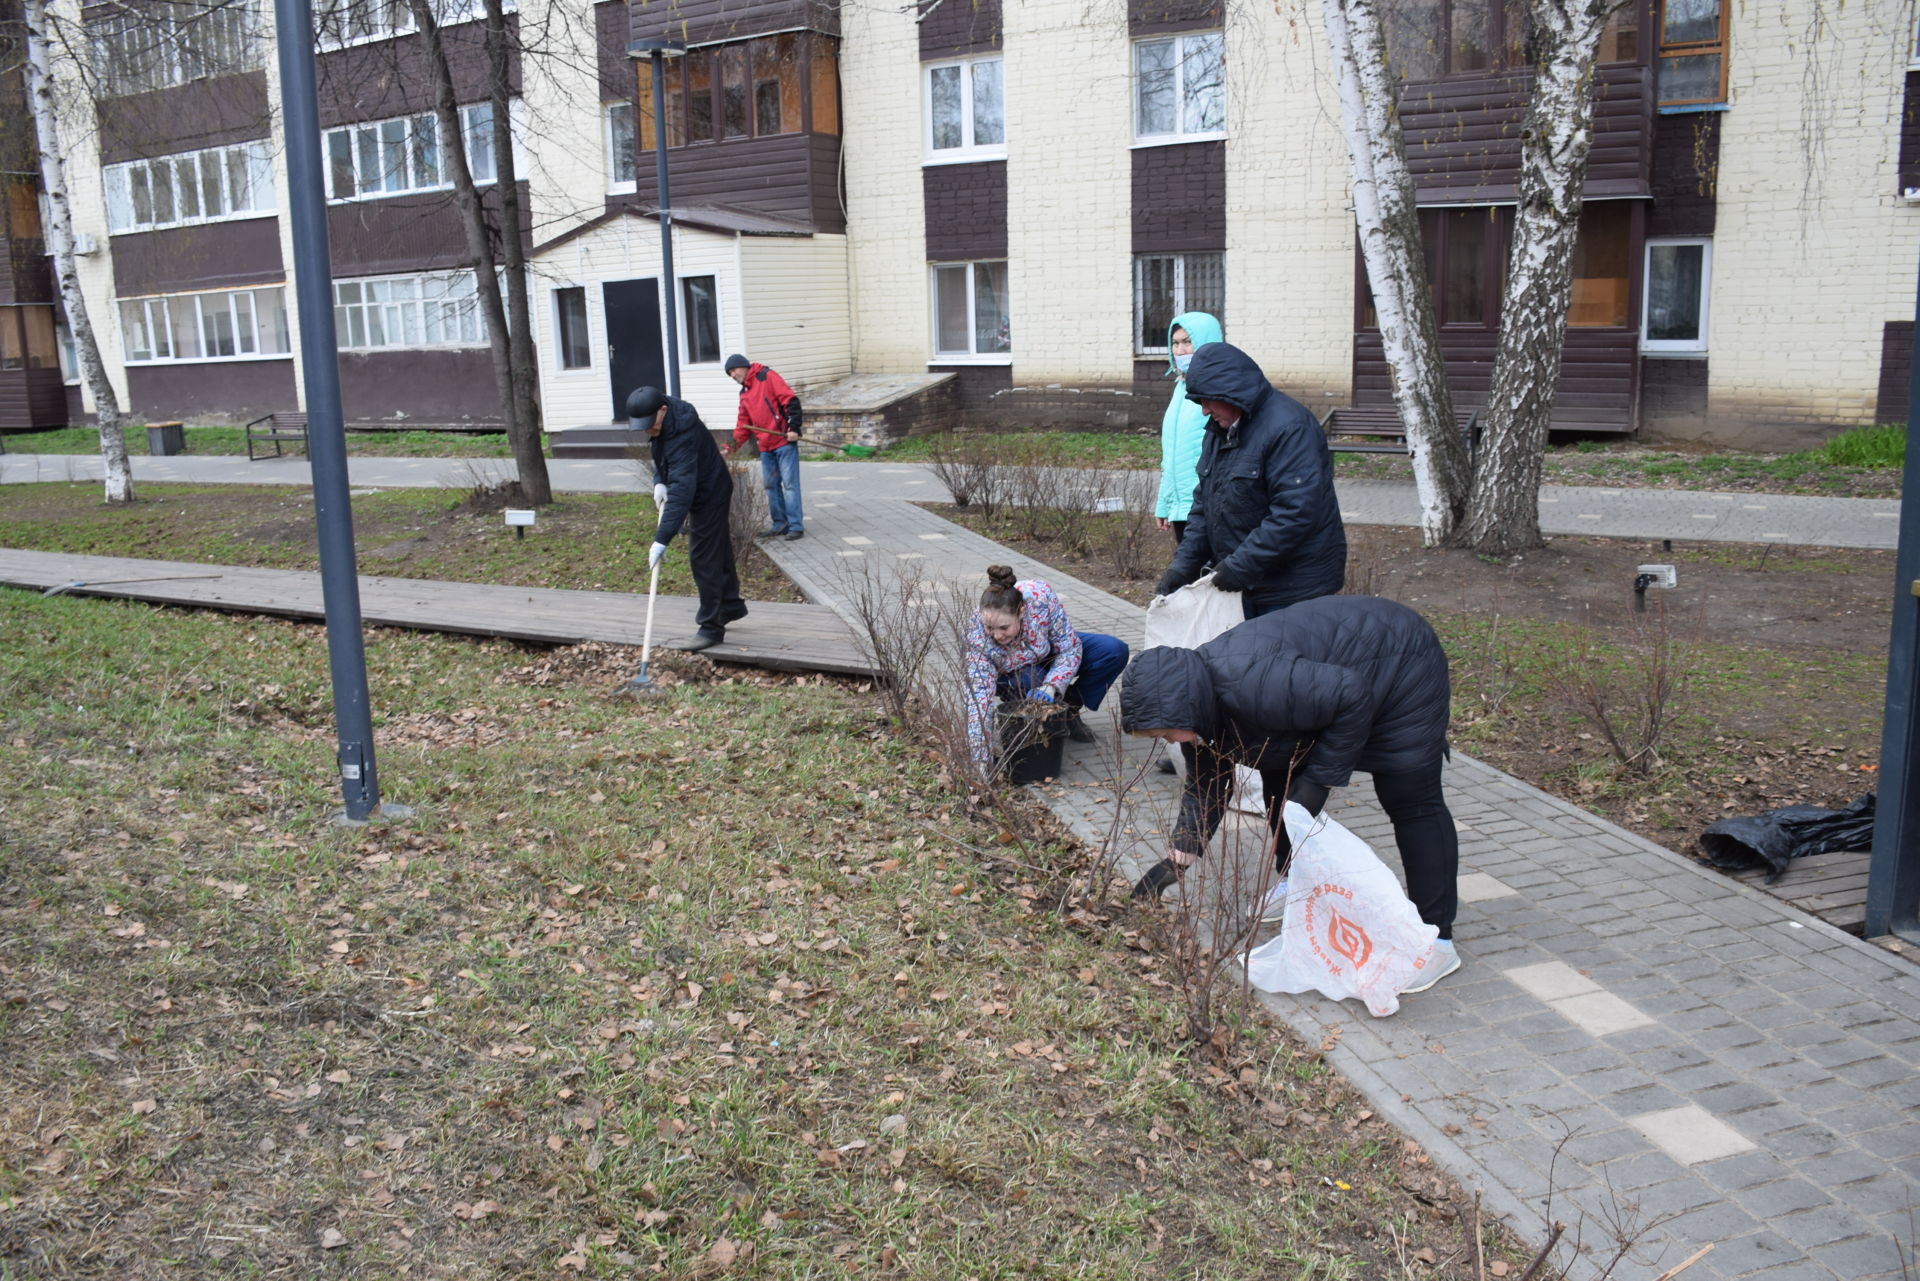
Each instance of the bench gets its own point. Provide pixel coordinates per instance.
(1383, 425)
(280, 429)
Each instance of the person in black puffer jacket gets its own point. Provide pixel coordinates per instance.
(1264, 514)
(1307, 695)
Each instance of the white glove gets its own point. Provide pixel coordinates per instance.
(659, 498)
(655, 553)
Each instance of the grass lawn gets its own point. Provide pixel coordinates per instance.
(223, 441)
(593, 542)
(711, 984)
(1865, 462)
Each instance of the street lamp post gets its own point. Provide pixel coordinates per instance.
(657, 52)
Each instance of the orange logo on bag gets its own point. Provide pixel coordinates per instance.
(1348, 939)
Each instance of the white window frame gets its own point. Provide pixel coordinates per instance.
(256, 157)
(461, 308)
(357, 153)
(1676, 346)
(968, 151)
(163, 45)
(559, 345)
(614, 186)
(970, 356)
(164, 306)
(1180, 303)
(686, 321)
(1913, 45)
(1179, 133)
(396, 20)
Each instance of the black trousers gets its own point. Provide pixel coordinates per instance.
(710, 556)
(1422, 828)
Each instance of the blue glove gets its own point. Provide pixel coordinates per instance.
(1044, 694)
(654, 554)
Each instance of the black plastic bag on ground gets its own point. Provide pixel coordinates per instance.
(1774, 839)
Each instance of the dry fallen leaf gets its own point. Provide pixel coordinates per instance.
(331, 1239)
(144, 1106)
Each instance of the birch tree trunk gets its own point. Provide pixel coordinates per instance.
(479, 236)
(1503, 513)
(522, 370)
(53, 181)
(1388, 222)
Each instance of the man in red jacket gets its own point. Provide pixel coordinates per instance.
(770, 414)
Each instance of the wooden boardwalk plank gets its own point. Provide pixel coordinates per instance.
(1832, 887)
(776, 634)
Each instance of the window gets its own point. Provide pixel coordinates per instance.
(1674, 314)
(966, 110)
(751, 88)
(1601, 255)
(338, 23)
(970, 314)
(1180, 87)
(69, 357)
(389, 157)
(700, 303)
(570, 327)
(437, 310)
(172, 42)
(620, 147)
(239, 324)
(1164, 285)
(1693, 53)
(27, 339)
(199, 186)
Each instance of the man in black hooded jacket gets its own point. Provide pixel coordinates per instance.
(691, 486)
(1264, 514)
(1307, 695)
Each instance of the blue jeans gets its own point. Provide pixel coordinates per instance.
(780, 475)
(1102, 659)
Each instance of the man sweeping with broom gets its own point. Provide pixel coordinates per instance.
(691, 486)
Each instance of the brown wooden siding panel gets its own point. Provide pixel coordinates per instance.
(960, 27)
(188, 117)
(390, 77)
(1180, 197)
(1597, 375)
(1673, 394)
(1152, 17)
(1463, 134)
(220, 255)
(32, 398)
(1686, 167)
(237, 390)
(401, 233)
(611, 37)
(829, 210)
(966, 210)
(1896, 372)
(26, 273)
(708, 21)
(422, 388)
(772, 175)
(1910, 135)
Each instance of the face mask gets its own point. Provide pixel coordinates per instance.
(1181, 362)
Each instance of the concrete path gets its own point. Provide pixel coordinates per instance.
(1620, 513)
(1631, 1032)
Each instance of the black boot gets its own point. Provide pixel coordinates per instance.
(1158, 877)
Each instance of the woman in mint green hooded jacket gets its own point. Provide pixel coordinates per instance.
(1183, 428)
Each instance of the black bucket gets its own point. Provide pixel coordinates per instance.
(1034, 746)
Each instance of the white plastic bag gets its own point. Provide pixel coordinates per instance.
(1187, 619)
(1349, 929)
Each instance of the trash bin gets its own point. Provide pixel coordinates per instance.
(166, 439)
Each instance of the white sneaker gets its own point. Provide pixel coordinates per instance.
(1273, 909)
(1446, 959)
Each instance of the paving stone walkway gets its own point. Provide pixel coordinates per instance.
(1630, 1032)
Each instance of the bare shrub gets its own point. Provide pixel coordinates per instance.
(1630, 697)
(898, 616)
(967, 466)
(1130, 541)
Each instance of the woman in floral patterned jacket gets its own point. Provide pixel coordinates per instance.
(1021, 644)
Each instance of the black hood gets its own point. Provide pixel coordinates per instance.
(1221, 371)
(1169, 688)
